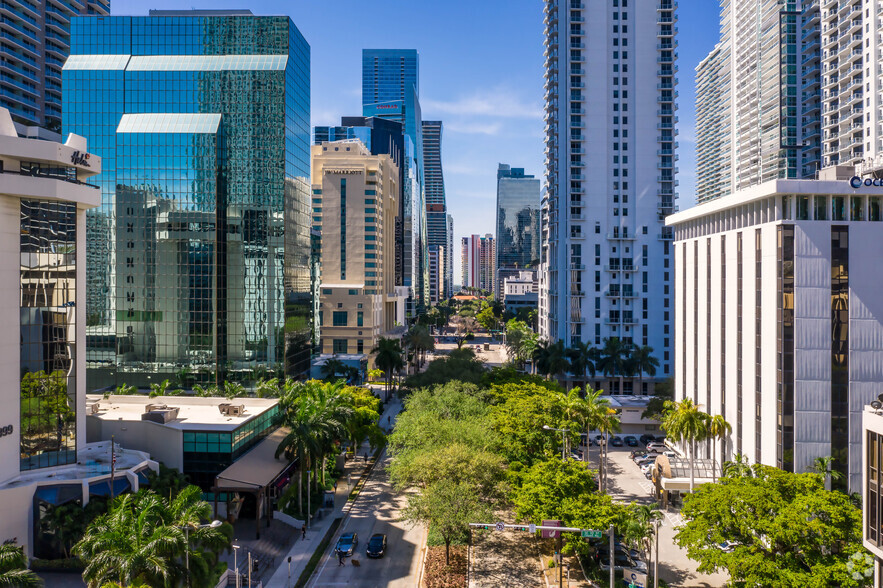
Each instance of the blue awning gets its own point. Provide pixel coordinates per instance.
(58, 495)
(142, 477)
(102, 488)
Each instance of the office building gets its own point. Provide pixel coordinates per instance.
(477, 255)
(391, 90)
(778, 315)
(872, 469)
(437, 261)
(44, 457)
(355, 203)
(34, 43)
(610, 174)
(449, 268)
(200, 251)
(518, 223)
(789, 90)
(436, 205)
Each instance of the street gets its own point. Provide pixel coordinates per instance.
(376, 511)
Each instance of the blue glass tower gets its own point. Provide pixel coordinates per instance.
(199, 256)
(391, 90)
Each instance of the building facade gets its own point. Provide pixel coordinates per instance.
(520, 291)
(610, 154)
(355, 203)
(437, 261)
(34, 43)
(778, 313)
(477, 256)
(872, 494)
(436, 205)
(391, 90)
(44, 457)
(199, 255)
(518, 223)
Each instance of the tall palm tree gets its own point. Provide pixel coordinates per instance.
(643, 362)
(332, 368)
(587, 411)
(613, 356)
(645, 517)
(388, 358)
(550, 358)
(737, 468)
(608, 423)
(14, 570)
(823, 466)
(718, 428)
(684, 421)
(300, 443)
(582, 358)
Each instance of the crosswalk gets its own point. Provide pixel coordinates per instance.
(674, 519)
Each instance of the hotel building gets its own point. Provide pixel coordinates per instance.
(355, 203)
(778, 318)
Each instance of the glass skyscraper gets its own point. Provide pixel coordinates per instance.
(199, 255)
(436, 205)
(391, 90)
(518, 223)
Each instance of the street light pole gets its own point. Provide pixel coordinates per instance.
(235, 564)
(563, 440)
(612, 556)
(656, 559)
(213, 525)
(310, 510)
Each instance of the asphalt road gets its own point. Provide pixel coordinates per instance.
(376, 511)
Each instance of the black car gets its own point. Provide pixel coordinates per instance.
(347, 543)
(631, 441)
(616, 442)
(645, 439)
(376, 545)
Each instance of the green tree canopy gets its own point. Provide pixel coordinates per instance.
(789, 531)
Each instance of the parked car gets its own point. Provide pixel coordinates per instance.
(638, 454)
(645, 439)
(376, 545)
(347, 543)
(727, 546)
(616, 442)
(657, 446)
(622, 559)
(631, 441)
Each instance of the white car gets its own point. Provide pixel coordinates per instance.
(657, 446)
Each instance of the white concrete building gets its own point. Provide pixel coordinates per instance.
(610, 173)
(779, 318)
(44, 457)
(872, 469)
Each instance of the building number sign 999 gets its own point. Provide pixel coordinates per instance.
(7, 430)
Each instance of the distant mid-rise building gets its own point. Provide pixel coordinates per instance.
(436, 205)
(520, 291)
(355, 202)
(518, 223)
(477, 254)
(200, 251)
(34, 43)
(449, 268)
(437, 262)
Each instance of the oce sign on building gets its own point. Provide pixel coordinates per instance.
(857, 182)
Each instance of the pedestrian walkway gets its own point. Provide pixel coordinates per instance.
(303, 549)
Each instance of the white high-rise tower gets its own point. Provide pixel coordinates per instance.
(610, 173)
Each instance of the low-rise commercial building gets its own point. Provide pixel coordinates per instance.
(520, 291)
(779, 318)
(45, 459)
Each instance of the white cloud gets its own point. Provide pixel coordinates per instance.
(499, 102)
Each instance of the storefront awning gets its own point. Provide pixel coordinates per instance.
(256, 469)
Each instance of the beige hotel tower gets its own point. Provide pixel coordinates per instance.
(355, 202)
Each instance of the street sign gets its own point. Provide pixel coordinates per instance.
(532, 528)
(548, 533)
(591, 534)
(501, 526)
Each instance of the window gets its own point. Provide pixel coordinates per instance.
(339, 318)
(360, 319)
(360, 346)
(339, 346)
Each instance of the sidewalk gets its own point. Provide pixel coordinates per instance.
(302, 550)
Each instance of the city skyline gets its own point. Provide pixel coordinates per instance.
(491, 107)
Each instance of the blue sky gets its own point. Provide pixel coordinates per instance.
(481, 73)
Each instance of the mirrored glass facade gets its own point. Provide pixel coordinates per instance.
(518, 222)
(48, 342)
(199, 256)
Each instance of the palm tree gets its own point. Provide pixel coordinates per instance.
(332, 368)
(613, 356)
(14, 570)
(389, 358)
(737, 468)
(683, 421)
(643, 362)
(300, 443)
(550, 358)
(582, 358)
(267, 388)
(587, 411)
(608, 423)
(141, 540)
(718, 428)
(645, 517)
(823, 466)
